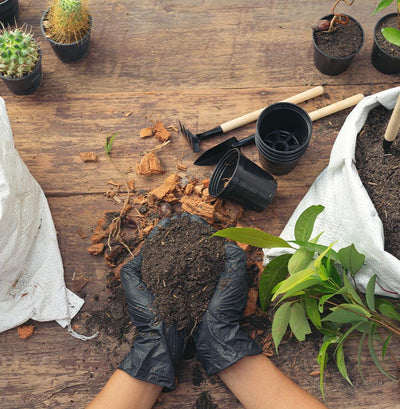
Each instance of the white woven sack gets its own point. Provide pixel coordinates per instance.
(31, 271)
(349, 214)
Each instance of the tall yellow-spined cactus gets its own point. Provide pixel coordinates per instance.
(68, 20)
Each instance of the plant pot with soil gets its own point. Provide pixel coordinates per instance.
(9, 10)
(67, 26)
(385, 55)
(337, 38)
(20, 61)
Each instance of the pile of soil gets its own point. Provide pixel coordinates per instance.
(389, 48)
(204, 401)
(181, 266)
(345, 40)
(380, 174)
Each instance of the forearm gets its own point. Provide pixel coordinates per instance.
(124, 392)
(259, 384)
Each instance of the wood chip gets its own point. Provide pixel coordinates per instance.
(168, 186)
(129, 113)
(88, 156)
(25, 331)
(146, 132)
(179, 166)
(131, 184)
(195, 205)
(96, 249)
(149, 165)
(160, 132)
(112, 182)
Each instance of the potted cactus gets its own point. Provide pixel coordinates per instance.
(20, 61)
(67, 25)
(8, 11)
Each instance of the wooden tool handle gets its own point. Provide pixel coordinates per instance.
(252, 116)
(336, 107)
(394, 123)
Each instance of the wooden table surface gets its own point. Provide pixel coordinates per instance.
(202, 62)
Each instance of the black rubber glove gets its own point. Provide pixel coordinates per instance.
(158, 348)
(219, 340)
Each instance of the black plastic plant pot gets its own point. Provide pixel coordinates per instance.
(380, 58)
(238, 179)
(9, 10)
(330, 65)
(28, 83)
(283, 132)
(71, 52)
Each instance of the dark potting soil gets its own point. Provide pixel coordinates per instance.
(380, 174)
(204, 401)
(389, 48)
(181, 266)
(344, 41)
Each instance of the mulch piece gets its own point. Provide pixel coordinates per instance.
(380, 174)
(181, 266)
(205, 401)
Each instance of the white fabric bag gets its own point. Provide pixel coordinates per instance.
(31, 270)
(349, 215)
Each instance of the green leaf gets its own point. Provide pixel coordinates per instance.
(341, 364)
(388, 310)
(392, 35)
(293, 281)
(351, 290)
(311, 305)
(298, 322)
(332, 272)
(347, 314)
(305, 223)
(316, 248)
(382, 5)
(280, 323)
(359, 354)
(370, 293)
(375, 358)
(386, 344)
(274, 272)
(299, 288)
(351, 259)
(322, 359)
(323, 300)
(318, 260)
(300, 260)
(109, 142)
(254, 237)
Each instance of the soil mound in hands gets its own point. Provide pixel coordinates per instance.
(181, 266)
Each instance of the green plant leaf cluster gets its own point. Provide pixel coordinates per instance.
(391, 34)
(315, 287)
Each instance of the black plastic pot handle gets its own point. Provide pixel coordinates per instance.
(244, 142)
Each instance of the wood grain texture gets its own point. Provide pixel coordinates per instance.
(201, 62)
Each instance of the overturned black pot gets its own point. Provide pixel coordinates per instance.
(331, 65)
(29, 82)
(71, 52)
(283, 132)
(9, 10)
(381, 57)
(238, 179)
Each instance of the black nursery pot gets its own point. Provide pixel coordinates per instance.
(239, 179)
(9, 10)
(71, 52)
(381, 60)
(28, 83)
(283, 132)
(329, 65)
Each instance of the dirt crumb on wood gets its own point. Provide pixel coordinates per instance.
(25, 331)
(181, 266)
(88, 156)
(149, 165)
(205, 401)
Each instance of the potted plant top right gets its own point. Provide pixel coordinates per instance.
(385, 55)
(67, 25)
(337, 38)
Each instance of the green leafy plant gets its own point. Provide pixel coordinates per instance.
(68, 21)
(109, 142)
(19, 53)
(391, 34)
(315, 285)
(328, 26)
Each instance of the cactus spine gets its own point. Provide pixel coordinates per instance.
(19, 53)
(68, 20)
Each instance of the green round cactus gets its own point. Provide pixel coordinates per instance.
(68, 20)
(18, 53)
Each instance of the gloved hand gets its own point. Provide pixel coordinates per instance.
(219, 340)
(158, 348)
